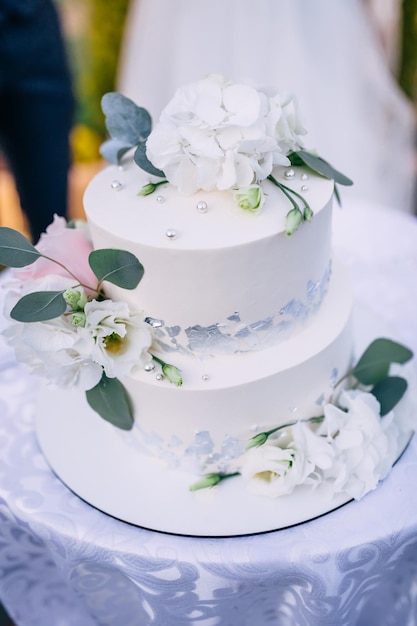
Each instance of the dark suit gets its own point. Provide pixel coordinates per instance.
(36, 107)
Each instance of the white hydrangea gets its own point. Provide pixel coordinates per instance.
(365, 444)
(217, 135)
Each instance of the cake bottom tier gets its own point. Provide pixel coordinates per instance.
(205, 425)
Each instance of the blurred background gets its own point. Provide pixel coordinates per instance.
(95, 34)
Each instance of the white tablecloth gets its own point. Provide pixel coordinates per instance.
(63, 563)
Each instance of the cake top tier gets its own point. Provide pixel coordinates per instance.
(205, 220)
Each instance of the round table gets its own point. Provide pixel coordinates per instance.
(63, 563)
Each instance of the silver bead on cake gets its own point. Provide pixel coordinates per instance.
(160, 199)
(201, 206)
(289, 173)
(171, 233)
(116, 185)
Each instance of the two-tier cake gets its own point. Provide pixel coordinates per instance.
(208, 321)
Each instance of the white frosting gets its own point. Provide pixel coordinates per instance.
(232, 297)
(224, 398)
(222, 262)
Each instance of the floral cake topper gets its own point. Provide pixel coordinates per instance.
(216, 135)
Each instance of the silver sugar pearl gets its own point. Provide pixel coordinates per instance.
(201, 206)
(205, 377)
(304, 176)
(171, 233)
(116, 185)
(149, 367)
(304, 188)
(160, 199)
(159, 377)
(289, 173)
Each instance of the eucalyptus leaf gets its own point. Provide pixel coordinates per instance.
(389, 392)
(39, 306)
(110, 400)
(321, 166)
(119, 267)
(337, 195)
(15, 249)
(374, 364)
(113, 150)
(125, 121)
(142, 160)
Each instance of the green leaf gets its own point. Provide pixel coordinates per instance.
(337, 195)
(125, 121)
(144, 163)
(389, 392)
(15, 249)
(112, 150)
(110, 400)
(320, 166)
(119, 267)
(39, 306)
(374, 364)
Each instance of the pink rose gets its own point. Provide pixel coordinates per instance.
(69, 246)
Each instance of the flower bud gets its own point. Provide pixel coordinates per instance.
(209, 480)
(78, 319)
(257, 440)
(147, 189)
(308, 213)
(250, 198)
(172, 373)
(293, 220)
(75, 298)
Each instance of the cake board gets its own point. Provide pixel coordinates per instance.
(107, 472)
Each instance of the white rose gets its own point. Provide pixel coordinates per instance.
(273, 471)
(121, 339)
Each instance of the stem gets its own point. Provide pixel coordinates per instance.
(283, 189)
(160, 361)
(313, 420)
(295, 193)
(80, 284)
(161, 182)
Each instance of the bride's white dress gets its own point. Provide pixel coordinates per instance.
(324, 51)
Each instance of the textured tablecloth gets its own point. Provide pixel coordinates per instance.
(63, 563)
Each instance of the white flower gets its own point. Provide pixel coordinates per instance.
(317, 449)
(216, 135)
(55, 350)
(273, 471)
(250, 198)
(365, 445)
(121, 339)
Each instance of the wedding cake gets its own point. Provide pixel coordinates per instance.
(204, 313)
